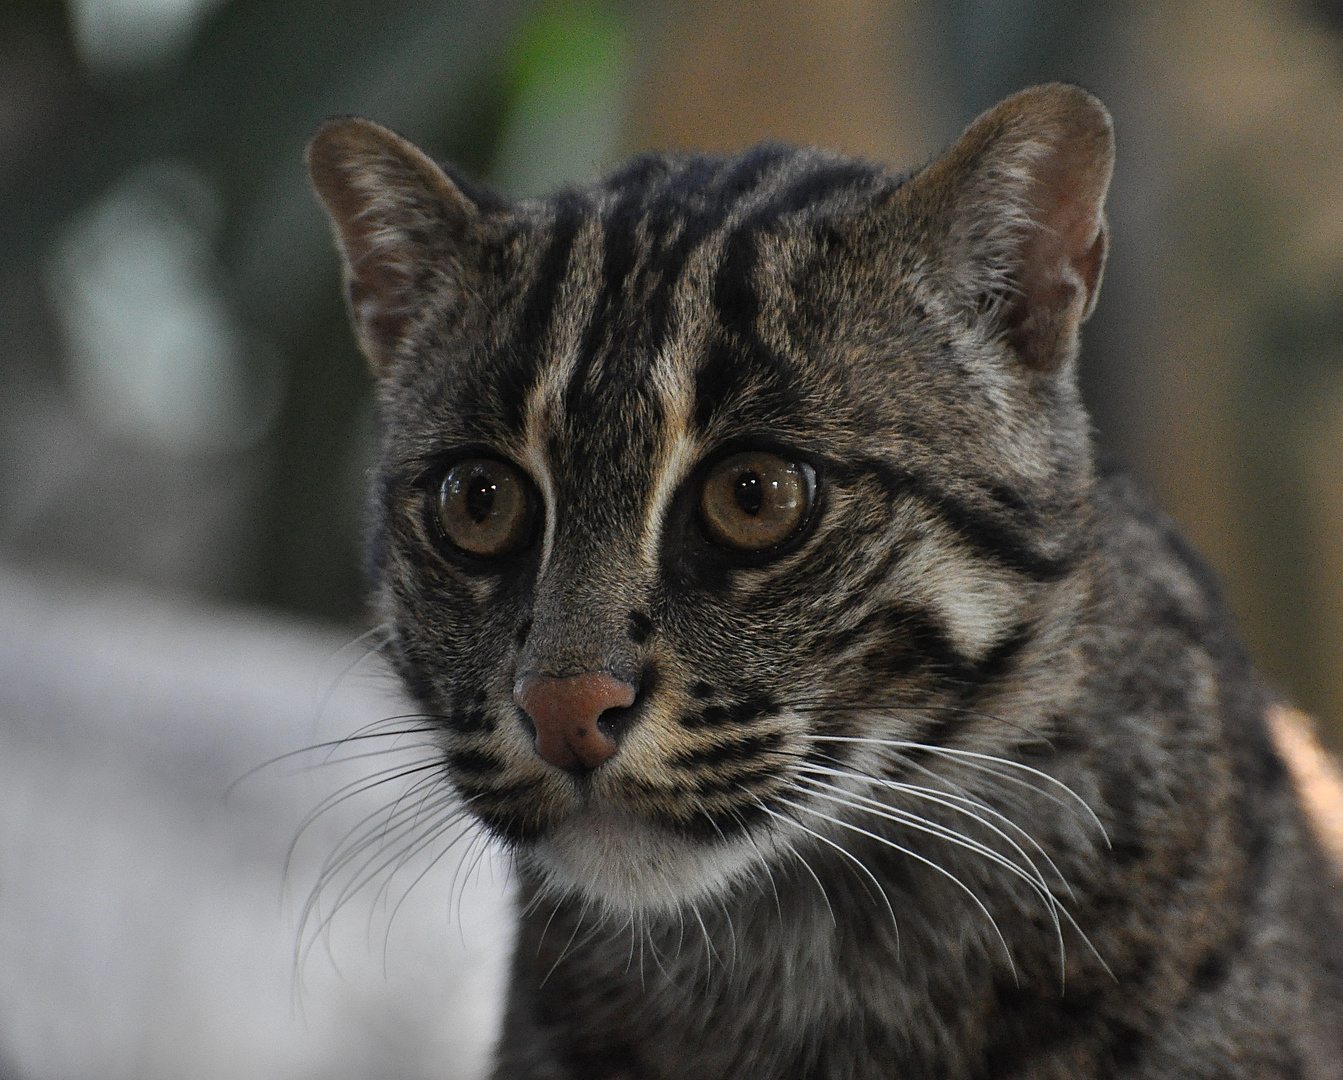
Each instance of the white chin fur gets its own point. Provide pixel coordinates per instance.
(633, 869)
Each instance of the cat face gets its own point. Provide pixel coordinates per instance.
(720, 475)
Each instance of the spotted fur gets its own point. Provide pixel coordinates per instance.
(969, 777)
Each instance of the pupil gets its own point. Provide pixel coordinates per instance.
(480, 494)
(749, 491)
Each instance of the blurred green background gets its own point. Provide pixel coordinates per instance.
(182, 405)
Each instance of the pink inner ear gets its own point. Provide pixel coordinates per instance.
(1062, 257)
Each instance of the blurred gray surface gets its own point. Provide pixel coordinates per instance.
(146, 925)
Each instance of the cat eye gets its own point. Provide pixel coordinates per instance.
(485, 508)
(755, 500)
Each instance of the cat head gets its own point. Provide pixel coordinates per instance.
(720, 471)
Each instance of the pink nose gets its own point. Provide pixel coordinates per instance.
(565, 712)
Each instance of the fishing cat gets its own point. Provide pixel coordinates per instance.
(739, 531)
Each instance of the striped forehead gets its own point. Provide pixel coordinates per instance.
(650, 280)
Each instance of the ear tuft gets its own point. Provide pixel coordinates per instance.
(1019, 206)
(404, 229)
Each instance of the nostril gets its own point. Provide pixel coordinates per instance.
(568, 714)
(615, 720)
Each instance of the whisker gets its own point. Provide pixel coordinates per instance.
(438, 831)
(384, 628)
(321, 921)
(578, 923)
(410, 826)
(843, 851)
(1036, 883)
(919, 858)
(912, 789)
(918, 709)
(773, 886)
(951, 789)
(959, 804)
(799, 857)
(1034, 878)
(971, 756)
(429, 840)
(376, 836)
(380, 840)
(335, 744)
(353, 790)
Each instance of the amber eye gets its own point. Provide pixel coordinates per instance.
(755, 500)
(484, 507)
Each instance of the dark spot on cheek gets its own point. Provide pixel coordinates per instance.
(474, 762)
(641, 627)
(752, 709)
(1212, 972)
(710, 717)
(470, 722)
(524, 628)
(470, 714)
(701, 690)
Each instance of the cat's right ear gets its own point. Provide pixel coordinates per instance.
(402, 226)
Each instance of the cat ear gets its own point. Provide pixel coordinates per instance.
(402, 226)
(1019, 210)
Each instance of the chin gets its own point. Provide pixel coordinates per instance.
(631, 869)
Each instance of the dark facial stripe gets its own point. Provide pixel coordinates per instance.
(521, 367)
(994, 539)
(742, 712)
(735, 297)
(734, 751)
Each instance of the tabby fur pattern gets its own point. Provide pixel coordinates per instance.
(969, 777)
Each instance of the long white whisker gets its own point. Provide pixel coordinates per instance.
(383, 628)
(919, 858)
(799, 857)
(578, 923)
(911, 820)
(711, 953)
(312, 909)
(959, 793)
(379, 841)
(429, 840)
(353, 790)
(372, 827)
(843, 851)
(332, 745)
(363, 876)
(958, 804)
(773, 885)
(971, 756)
(1035, 882)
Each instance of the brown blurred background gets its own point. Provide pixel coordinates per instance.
(182, 406)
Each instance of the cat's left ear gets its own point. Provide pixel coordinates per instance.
(404, 229)
(1017, 213)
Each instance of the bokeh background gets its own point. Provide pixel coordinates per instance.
(184, 419)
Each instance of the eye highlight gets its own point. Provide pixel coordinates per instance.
(755, 500)
(485, 508)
